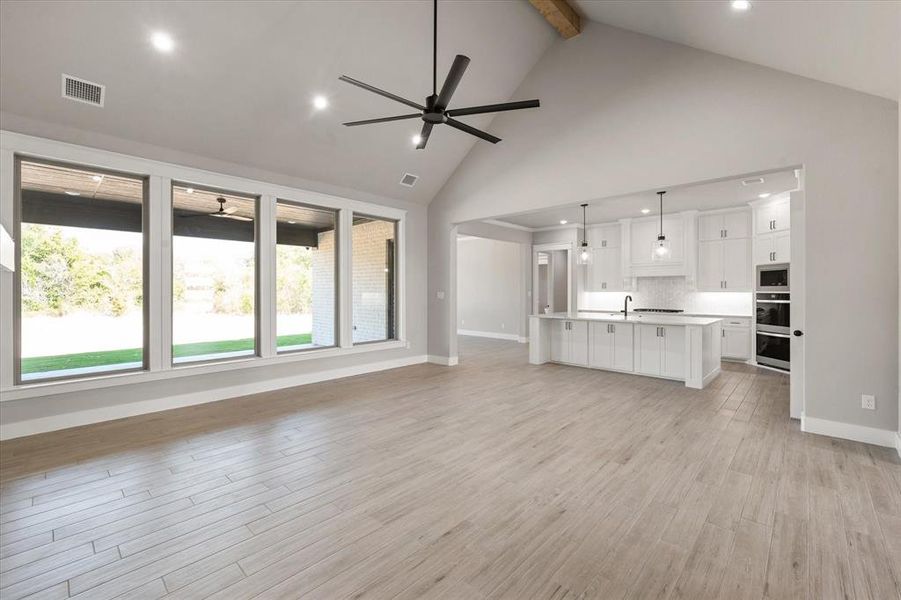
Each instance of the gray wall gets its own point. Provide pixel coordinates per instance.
(623, 113)
(490, 286)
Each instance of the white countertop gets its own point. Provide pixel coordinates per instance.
(648, 318)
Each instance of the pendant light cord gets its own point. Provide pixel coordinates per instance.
(584, 225)
(661, 213)
(435, 48)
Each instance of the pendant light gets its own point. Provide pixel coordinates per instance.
(585, 254)
(660, 249)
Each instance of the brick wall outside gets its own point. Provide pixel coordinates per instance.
(369, 283)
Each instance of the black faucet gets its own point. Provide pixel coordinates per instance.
(626, 301)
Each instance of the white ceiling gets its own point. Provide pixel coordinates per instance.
(239, 85)
(852, 43)
(706, 196)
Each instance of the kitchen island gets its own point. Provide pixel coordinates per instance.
(668, 346)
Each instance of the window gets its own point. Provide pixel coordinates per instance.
(213, 274)
(374, 286)
(305, 266)
(80, 283)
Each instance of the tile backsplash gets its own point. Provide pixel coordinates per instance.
(670, 292)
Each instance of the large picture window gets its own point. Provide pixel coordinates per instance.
(374, 285)
(213, 274)
(305, 267)
(80, 276)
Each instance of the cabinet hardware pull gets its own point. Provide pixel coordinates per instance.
(725, 285)
(663, 332)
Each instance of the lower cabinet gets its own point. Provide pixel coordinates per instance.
(660, 350)
(610, 346)
(736, 343)
(569, 342)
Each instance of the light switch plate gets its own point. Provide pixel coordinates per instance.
(868, 402)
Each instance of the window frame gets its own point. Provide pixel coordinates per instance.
(257, 295)
(336, 313)
(18, 159)
(396, 288)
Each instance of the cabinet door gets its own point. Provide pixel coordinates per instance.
(737, 224)
(763, 218)
(607, 236)
(763, 249)
(643, 235)
(600, 349)
(710, 227)
(578, 343)
(782, 246)
(622, 346)
(737, 265)
(594, 282)
(781, 216)
(673, 352)
(736, 343)
(710, 265)
(647, 349)
(613, 270)
(559, 341)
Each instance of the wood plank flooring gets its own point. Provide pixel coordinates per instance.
(493, 479)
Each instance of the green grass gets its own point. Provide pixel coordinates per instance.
(40, 364)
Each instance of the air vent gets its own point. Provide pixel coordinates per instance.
(83, 91)
(409, 179)
(752, 181)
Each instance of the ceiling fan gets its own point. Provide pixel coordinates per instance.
(436, 111)
(222, 213)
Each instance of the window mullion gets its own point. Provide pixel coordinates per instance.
(266, 273)
(152, 233)
(161, 205)
(7, 191)
(345, 278)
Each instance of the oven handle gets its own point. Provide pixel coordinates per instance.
(774, 302)
(779, 335)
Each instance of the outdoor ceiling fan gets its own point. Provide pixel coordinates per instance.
(222, 213)
(436, 111)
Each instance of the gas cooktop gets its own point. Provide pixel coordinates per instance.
(657, 310)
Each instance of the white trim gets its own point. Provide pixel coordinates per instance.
(489, 334)
(522, 340)
(898, 443)
(446, 361)
(508, 225)
(119, 411)
(847, 431)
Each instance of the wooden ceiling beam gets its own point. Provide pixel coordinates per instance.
(560, 15)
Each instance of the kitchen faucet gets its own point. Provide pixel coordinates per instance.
(626, 301)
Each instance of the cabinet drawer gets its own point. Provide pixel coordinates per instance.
(737, 322)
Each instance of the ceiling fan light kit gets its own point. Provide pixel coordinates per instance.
(436, 109)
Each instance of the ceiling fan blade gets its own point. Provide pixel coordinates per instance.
(452, 81)
(383, 120)
(230, 210)
(376, 90)
(424, 136)
(237, 218)
(490, 108)
(473, 131)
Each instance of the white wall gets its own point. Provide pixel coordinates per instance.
(490, 287)
(53, 409)
(622, 113)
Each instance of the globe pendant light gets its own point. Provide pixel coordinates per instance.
(585, 255)
(660, 249)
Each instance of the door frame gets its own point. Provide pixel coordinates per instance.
(536, 248)
(797, 398)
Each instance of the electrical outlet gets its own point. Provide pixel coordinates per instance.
(868, 402)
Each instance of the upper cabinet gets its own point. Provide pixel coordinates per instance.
(773, 216)
(724, 251)
(605, 236)
(605, 273)
(724, 225)
(639, 236)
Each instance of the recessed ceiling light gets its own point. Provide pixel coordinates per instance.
(320, 102)
(563, 221)
(189, 190)
(764, 195)
(97, 178)
(740, 5)
(645, 211)
(162, 41)
(68, 193)
(416, 139)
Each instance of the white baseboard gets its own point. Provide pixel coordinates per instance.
(446, 361)
(98, 415)
(489, 334)
(523, 340)
(847, 431)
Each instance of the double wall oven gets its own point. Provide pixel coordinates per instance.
(773, 309)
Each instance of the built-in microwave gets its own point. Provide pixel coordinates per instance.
(773, 278)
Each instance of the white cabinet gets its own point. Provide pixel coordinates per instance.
(724, 225)
(724, 265)
(610, 346)
(644, 232)
(605, 274)
(660, 350)
(773, 248)
(569, 342)
(605, 236)
(736, 343)
(773, 216)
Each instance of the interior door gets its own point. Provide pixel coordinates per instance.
(710, 265)
(578, 343)
(673, 354)
(623, 350)
(798, 283)
(647, 349)
(737, 265)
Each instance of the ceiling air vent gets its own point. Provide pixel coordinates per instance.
(83, 91)
(409, 179)
(752, 181)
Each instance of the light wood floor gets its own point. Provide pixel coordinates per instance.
(494, 479)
